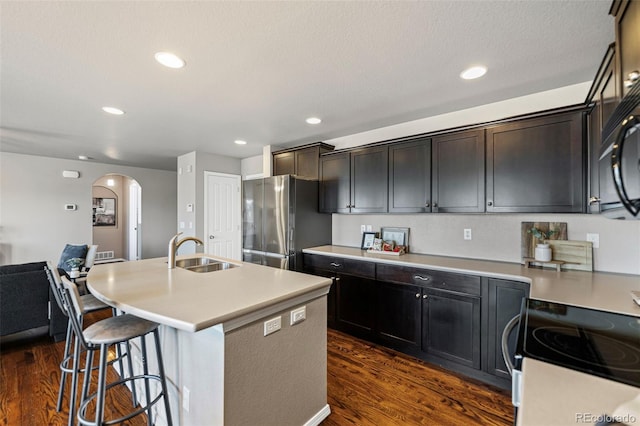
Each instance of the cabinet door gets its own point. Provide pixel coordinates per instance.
(536, 166)
(628, 43)
(458, 172)
(307, 160)
(398, 315)
(331, 297)
(410, 177)
(355, 305)
(505, 300)
(451, 327)
(284, 164)
(335, 196)
(369, 192)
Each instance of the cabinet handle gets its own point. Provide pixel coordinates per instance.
(593, 200)
(335, 265)
(336, 279)
(427, 205)
(421, 278)
(417, 295)
(426, 296)
(633, 76)
(490, 203)
(435, 204)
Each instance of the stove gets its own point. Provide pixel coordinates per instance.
(604, 344)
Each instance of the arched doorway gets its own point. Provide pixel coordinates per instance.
(117, 217)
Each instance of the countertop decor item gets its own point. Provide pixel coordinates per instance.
(529, 238)
(368, 239)
(399, 236)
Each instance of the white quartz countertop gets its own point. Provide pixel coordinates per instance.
(193, 301)
(551, 395)
(596, 290)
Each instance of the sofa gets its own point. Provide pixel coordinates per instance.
(26, 301)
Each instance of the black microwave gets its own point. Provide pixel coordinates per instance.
(619, 161)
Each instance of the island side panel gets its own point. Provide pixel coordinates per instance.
(279, 379)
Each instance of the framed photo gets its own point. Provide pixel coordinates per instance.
(399, 236)
(104, 212)
(367, 240)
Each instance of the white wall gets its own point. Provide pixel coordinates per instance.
(191, 191)
(34, 226)
(497, 236)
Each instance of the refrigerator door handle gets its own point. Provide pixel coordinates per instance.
(276, 255)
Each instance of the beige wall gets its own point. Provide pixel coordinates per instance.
(34, 225)
(497, 236)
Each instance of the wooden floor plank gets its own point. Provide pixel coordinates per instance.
(366, 385)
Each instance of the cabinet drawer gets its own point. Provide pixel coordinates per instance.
(341, 265)
(460, 283)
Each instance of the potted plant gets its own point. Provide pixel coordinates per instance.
(75, 263)
(543, 251)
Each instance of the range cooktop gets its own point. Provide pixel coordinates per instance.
(602, 343)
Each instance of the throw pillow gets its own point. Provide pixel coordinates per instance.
(70, 251)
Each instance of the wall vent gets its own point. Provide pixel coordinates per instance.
(103, 255)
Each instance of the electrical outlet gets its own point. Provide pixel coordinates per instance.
(298, 315)
(467, 234)
(595, 240)
(185, 398)
(272, 325)
(363, 229)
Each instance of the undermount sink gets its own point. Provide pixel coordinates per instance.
(203, 264)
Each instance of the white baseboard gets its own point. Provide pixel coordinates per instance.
(319, 416)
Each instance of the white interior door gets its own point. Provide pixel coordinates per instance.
(223, 236)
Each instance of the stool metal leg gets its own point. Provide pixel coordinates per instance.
(145, 370)
(65, 361)
(88, 369)
(130, 364)
(102, 379)
(74, 382)
(163, 378)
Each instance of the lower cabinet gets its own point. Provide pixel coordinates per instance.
(451, 326)
(453, 320)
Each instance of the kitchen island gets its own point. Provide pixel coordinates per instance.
(220, 366)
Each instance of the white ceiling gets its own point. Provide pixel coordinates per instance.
(256, 70)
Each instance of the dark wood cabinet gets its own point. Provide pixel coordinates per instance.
(399, 315)
(458, 172)
(504, 302)
(536, 165)
(410, 177)
(335, 183)
(369, 192)
(451, 326)
(354, 181)
(303, 161)
(602, 99)
(627, 29)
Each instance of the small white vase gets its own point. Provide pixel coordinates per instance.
(75, 273)
(543, 252)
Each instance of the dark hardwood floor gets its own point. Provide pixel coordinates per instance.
(367, 385)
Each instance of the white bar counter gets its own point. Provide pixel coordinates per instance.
(220, 366)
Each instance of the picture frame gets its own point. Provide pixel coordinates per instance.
(368, 239)
(104, 211)
(400, 236)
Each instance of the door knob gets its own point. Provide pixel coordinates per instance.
(211, 237)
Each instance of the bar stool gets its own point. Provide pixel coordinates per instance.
(101, 335)
(90, 304)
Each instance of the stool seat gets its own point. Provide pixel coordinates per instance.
(91, 303)
(118, 329)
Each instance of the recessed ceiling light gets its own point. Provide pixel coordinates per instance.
(112, 110)
(83, 157)
(313, 120)
(240, 142)
(169, 60)
(473, 72)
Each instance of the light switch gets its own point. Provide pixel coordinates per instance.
(189, 208)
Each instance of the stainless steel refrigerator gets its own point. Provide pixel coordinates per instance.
(280, 218)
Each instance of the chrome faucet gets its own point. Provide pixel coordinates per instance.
(174, 244)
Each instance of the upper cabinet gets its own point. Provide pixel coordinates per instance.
(410, 176)
(354, 181)
(304, 161)
(536, 165)
(627, 26)
(458, 172)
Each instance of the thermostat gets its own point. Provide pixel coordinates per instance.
(70, 207)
